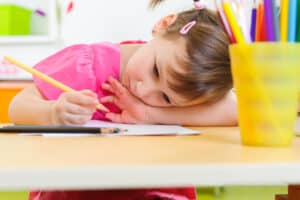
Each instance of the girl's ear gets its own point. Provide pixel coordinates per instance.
(164, 23)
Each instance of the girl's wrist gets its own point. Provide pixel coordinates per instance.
(52, 114)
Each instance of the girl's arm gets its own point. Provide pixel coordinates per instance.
(223, 112)
(134, 111)
(71, 108)
(29, 107)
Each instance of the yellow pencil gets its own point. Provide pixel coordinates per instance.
(233, 23)
(47, 79)
(284, 20)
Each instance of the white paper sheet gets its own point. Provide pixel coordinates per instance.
(134, 129)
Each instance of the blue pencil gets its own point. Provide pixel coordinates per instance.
(253, 24)
(292, 21)
(276, 20)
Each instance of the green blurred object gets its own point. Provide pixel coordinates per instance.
(253, 192)
(15, 20)
(209, 193)
(240, 192)
(13, 195)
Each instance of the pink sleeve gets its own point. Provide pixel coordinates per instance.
(72, 66)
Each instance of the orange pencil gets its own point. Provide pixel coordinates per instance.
(258, 24)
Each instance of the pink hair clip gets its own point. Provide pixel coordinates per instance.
(199, 5)
(184, 30)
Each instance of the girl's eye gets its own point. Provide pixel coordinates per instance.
(155, 71)
(166, 98)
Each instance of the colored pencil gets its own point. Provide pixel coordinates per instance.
(259, 23)
(233, 23)
(284, 20)
(292, 20)
(253, 23)
(257, 27)
(298, 22)
(275, 20)
(263, 24)
(225, 23)
(243, 22)
(268, 10)
(47, 79)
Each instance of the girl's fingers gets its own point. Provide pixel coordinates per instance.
(89, 93)
(120, 88)
(111, 99)
(117, 86)
(107, 87)
(113, 85)
(82, 99)
(114, 117)
(119, 118)
(107, 99)
(80, 110)
(73, 119)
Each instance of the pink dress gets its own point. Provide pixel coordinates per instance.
(87, 67)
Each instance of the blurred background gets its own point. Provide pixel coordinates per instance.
(31, 30)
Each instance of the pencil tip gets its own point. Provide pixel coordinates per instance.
(118, 130)
(102, 108)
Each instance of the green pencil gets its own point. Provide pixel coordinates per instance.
(298, 22)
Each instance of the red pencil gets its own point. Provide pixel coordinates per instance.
(264, 36)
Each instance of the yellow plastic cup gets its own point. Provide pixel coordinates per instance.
(266, 78)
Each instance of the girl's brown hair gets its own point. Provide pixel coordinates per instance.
(207, 66)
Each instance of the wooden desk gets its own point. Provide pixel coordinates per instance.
(215, 158)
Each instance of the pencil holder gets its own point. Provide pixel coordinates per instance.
(266, 80)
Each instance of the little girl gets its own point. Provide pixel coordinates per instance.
(181, 76)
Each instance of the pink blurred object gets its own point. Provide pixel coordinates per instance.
(199, 5)
(70, 7)
(40, 12)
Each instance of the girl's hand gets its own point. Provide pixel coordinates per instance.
(133, 109)
(74, 108)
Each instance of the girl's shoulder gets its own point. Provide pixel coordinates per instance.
(80, 49)
(73, 55)
(105, 49)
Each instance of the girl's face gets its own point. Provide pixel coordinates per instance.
(146, 73)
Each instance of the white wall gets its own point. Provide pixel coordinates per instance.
(116, 20)
(94, 21)
(108, 20)
(98, 20)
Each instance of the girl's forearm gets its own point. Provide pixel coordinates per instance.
(29, 108)
(222, 113)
